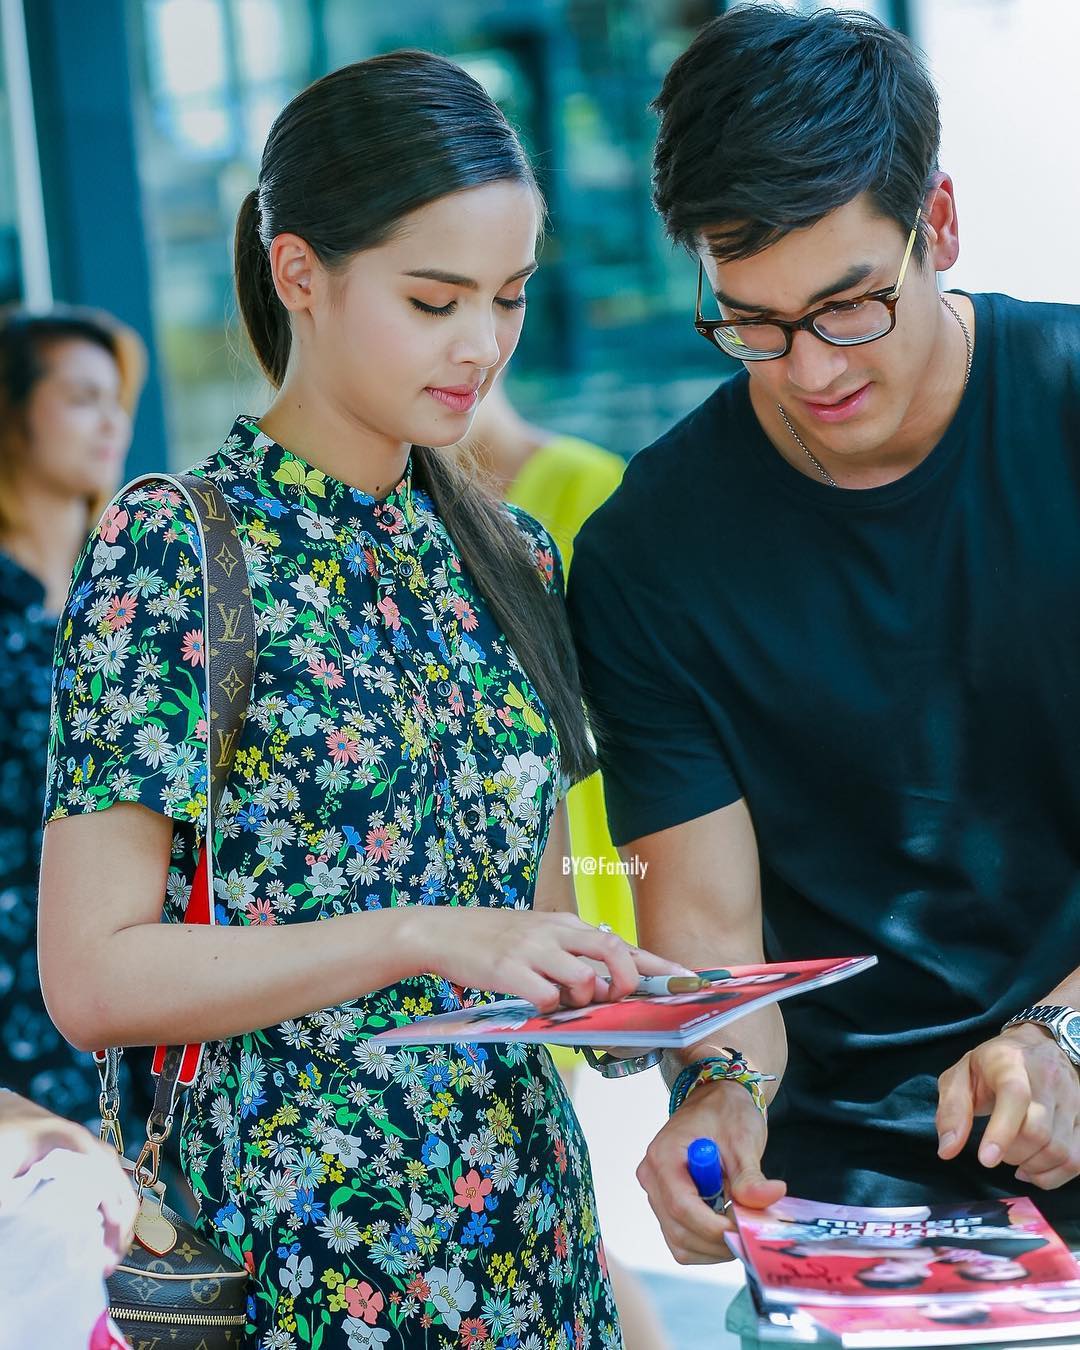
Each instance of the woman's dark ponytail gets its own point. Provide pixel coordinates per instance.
(499, 561)
(345, 162)
(264, 315)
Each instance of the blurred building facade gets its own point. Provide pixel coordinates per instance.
(149, 117)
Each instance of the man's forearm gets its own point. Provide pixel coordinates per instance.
(1067, 992)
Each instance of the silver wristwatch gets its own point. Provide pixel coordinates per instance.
(614, 1066)
(1061, 1022)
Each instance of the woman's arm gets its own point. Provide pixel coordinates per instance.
(114, 974)
(554, 882)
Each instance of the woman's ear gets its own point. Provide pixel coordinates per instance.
(295, 270)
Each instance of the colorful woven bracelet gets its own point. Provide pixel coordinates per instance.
(732, 1068)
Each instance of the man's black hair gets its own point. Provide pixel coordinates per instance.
(770, 120)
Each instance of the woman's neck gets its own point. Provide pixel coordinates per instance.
(304, 421)
(46, 539)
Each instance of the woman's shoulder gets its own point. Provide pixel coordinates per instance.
(541, 543)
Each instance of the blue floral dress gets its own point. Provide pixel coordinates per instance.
(395, 753)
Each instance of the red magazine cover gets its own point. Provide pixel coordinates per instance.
(669, 1020)
(810, 1253)
(952, 1322)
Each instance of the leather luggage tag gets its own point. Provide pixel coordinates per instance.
(152, 1229)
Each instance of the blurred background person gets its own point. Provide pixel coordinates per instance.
(69, 382)
(67, 1214)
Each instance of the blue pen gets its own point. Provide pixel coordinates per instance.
(707, 1172)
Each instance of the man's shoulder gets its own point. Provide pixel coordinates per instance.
(1018, 321)
(663, 480)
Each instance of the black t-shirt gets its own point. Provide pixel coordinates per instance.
(891, 678)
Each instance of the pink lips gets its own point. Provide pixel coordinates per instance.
(460, 399)
(842, 409)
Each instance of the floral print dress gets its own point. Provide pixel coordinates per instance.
(395, 753)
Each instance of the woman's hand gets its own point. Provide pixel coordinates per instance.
(29, 1133)
(553, 959)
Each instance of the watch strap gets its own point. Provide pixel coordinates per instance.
(1048, 1016)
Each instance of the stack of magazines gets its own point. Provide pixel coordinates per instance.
(957, 1274)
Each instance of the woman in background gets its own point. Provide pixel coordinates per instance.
(69, 380)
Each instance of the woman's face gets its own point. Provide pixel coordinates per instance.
(77, 428)
(413, 332)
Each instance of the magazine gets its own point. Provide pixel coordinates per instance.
(985, 1252)
(952, 1322)
(668, 1020)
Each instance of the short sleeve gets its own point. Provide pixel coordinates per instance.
(548, 562)
(544, 549)
(129, 719)
(661, 758)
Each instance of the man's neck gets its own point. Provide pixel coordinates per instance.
(51, 530)
(922, 428)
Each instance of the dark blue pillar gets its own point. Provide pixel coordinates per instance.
(81, 82)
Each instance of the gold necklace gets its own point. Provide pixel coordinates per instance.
(822, 470)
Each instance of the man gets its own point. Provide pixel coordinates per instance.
(830, 634)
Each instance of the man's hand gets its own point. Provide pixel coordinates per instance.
(726, 1113)
(1031, 1090)
(29, 1133)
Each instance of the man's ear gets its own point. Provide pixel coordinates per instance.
(943, 231)
(295, 270)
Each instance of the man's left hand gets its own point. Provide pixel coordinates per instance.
(1030, 1089)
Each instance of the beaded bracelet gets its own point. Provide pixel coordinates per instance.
(732, 1069)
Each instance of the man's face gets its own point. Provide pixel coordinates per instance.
(849, 400)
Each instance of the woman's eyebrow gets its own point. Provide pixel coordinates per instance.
(852, 277)
(453, 279)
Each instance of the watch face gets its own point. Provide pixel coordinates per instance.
(1070, 1034)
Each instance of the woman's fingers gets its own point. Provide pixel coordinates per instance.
(648, 963)
(613, 952)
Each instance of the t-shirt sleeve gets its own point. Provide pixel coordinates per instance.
(129, 720)
(662, 760)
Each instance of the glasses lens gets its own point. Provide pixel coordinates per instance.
(860, 322)
(751, 341)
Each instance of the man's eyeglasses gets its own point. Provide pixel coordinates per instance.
(844, 324)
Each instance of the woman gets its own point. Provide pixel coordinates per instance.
(68, 384)
(415, 710)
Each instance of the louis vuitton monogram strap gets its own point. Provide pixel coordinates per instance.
(229, 669)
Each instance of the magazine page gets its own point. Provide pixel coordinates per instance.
(952, 1322)
(669, 1020)
(806, 1252)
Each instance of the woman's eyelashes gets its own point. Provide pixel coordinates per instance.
(517, 303)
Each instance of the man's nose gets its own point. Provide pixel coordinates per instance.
(813, 365)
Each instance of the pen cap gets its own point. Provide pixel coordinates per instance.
(703, 1164)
